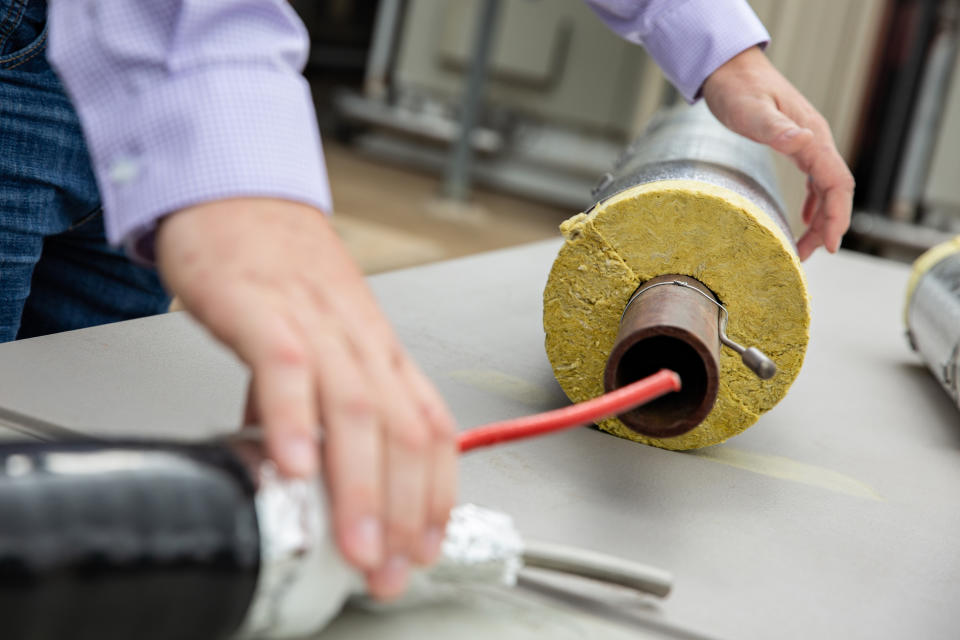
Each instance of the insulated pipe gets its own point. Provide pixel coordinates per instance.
(932, 313)
(673, 327)
(676, 327)
(120, 540)
(125, 541)
(688, 198)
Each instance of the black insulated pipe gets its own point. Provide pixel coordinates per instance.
(125, 542)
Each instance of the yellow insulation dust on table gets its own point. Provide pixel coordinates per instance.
(690, 228)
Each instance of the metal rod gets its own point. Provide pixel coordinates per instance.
(754, 359)
(456, 180)
(37, 428)
(927, 117)
(669, 327)
(597, 566)
(385, 30)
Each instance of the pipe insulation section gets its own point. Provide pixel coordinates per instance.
(933, 313)
(121, 540)
(125, 541)
(688, 199)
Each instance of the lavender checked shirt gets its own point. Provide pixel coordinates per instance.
(188, 101)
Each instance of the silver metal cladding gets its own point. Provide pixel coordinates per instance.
(933, 321)
(688, 143)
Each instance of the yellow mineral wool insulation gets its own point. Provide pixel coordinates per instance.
(689, 228)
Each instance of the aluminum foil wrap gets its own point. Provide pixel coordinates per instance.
(304, 582)
(933, 322)
(481, 548)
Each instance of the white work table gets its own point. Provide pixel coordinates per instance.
(836, 516)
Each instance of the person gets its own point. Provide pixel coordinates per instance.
(190, 140)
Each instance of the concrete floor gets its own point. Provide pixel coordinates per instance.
(391, 217)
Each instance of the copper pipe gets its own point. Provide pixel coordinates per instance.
(671, 327)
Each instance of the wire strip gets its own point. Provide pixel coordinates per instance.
(616, 402)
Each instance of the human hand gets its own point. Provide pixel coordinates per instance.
(272, 281)
(752, 98)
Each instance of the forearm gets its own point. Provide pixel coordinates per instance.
(189, 101)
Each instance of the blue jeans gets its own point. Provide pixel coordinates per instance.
(57, 271)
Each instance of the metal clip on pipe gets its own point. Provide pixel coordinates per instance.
(754, 359)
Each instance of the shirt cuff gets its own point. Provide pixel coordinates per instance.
(224, 131)
(688, 39)
(691, 39)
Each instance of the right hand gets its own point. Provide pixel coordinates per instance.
(271, 280)
(752, 98)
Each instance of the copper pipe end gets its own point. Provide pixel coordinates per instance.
(672, 327)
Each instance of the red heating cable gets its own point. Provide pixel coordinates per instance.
(610, 404)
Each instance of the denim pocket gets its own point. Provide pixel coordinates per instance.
(19, 28)
(11, 13)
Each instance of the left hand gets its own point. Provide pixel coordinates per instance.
(271, 279)
(752, 98)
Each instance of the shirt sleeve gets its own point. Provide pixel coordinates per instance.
(688, 39)
(188, 101)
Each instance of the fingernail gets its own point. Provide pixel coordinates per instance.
(395, 572)
(388, 582)
(790, 134)
(300, 456)
(367, 539)
(432, 541)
